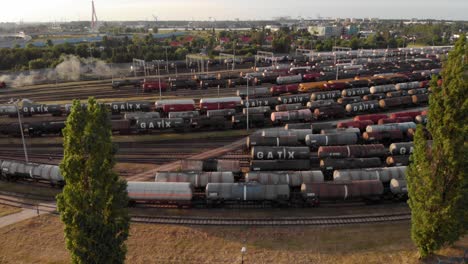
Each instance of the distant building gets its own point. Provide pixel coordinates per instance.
(366, 33)
(352, 30)
(325, 31)
(272, 28)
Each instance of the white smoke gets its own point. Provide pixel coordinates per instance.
(72, 68)
(69, 69)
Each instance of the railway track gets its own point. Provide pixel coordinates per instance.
(104, 90)
(48, 206)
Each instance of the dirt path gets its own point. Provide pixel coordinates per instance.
(18, 217)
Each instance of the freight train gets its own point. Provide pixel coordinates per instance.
(306, 188)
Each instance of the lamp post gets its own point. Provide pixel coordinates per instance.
(21, 130)
(336, 65)
(167, 61)
(247, 104)
(243, 251)
(159, 77)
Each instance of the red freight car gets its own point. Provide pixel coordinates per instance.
(220, 103)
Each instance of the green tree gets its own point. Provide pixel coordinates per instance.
(437, 177)
(93, 202)
(49, 43)
(37, 64)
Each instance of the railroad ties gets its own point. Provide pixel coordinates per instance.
(300, 221)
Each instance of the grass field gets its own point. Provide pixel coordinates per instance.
(6, 210)
(40, 240)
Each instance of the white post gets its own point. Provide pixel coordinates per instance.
(22, 134)
(248, 103)
(159, 77)
(218, 96)
(167, 62)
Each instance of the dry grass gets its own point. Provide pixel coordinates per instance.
(26, 188)
(40, 240)
(6, 210)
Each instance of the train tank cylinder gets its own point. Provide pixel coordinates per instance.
(355, 130)
(383, 174)
(359, 83)
(289, 79)
(334, 111)
(221, 112)
(382, 88)
(246, 192)
(349, 100)
(411, 114)
(398, 187)
(349, 163)
(395, 101)
(371, 97)
(407, 86)
(357, 124)
(294, 99)
(317, 140)
(367, 106)
(421, 119)
(254, 92)
(268, 101)
(184, 114)
(275, 165)
(402, 119)
(402, 148)
(342, 190)
(352, 151)
(132, 106)
(279, 153)
(303, 115)
(355, 92)
(420, 98)
(298, 126)
(318, 127)
(257, 110)
(321, 103)
(141, 115)
(400, 160)
(291, 178)
(403, 127)
(373, 117)
(327, 95)
(288, 107)
(160, 123)
(276, 132)
(197, 179)
(396, 94)
(418, 91)
(160, 191)
(383, 136)
(272, 141)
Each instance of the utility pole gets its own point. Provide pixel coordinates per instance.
(22, 133)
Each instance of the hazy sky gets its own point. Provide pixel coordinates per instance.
(72, 10)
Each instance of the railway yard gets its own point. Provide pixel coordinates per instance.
(289, 133)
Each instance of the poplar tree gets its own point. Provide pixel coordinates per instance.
(93, 203)
(437, 177)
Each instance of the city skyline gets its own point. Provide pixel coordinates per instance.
(112, 10)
